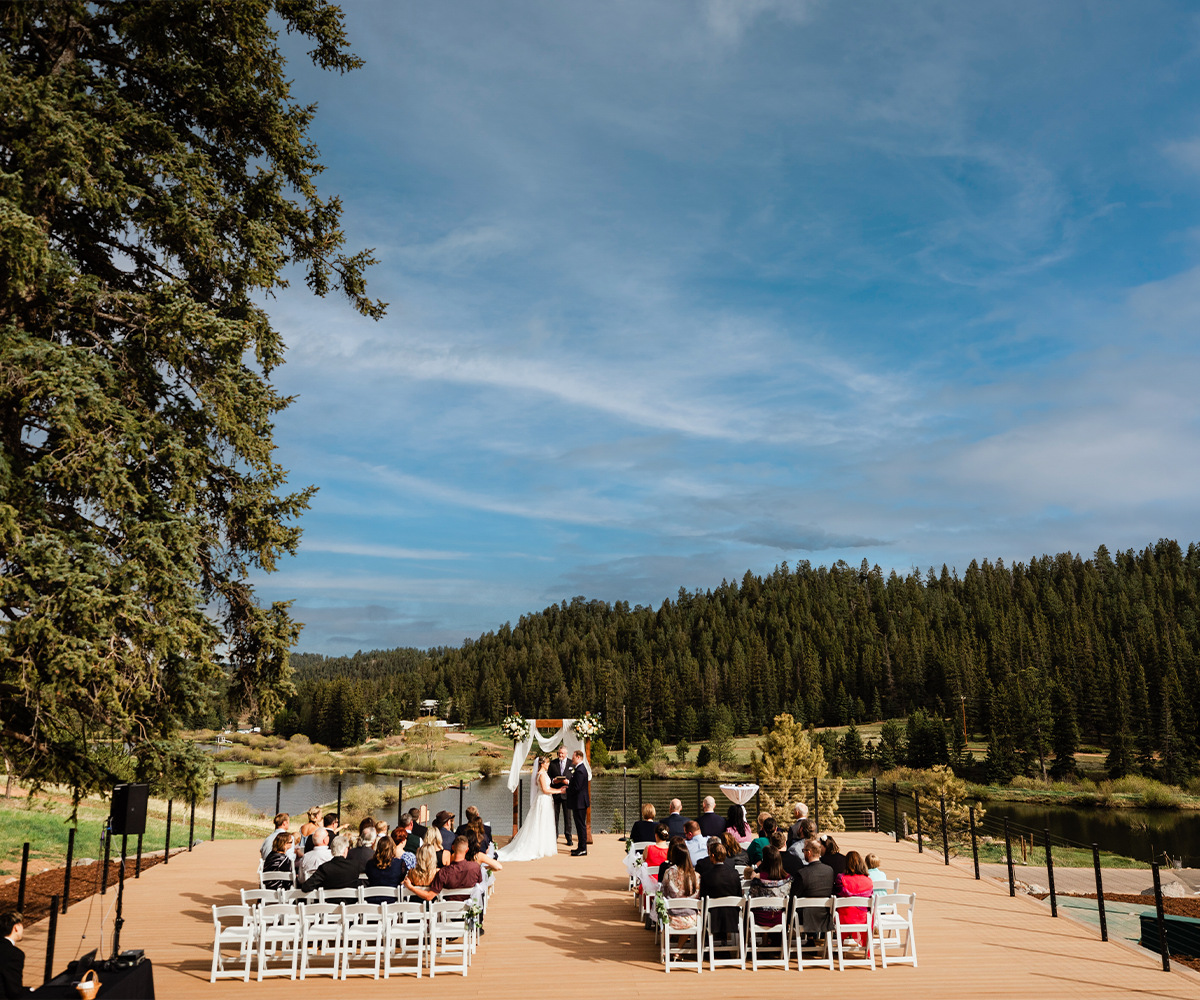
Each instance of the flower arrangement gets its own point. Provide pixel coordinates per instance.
(515, 728)
(473, 912)
(660, 905)
(588, 727)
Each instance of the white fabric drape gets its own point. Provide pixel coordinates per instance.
(566, 736)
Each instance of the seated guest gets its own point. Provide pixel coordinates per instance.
(281, 859)
(405, 835)
(12, 958)
(426, 866)
(676, 819)
(472, 813)
(799, 815)
(874, 871)
(720, 879)
(656, 853)
(706, 862)
(832, 856)
(311, 823)
(814, 881)
(444, 824)
(461, 873)
(771, 881)
(711, 824)
(281, 824)
(420, 818)
(766, 827)
(478, 841)
(433, 838)
(339, 872)
(365, 851)
(735, 820)
(735, 853)
(643, 829)
(854, 882)
(679, 881)
(808, 831)
(381, 828)
(791, 863)
(316, 855)
(331, 825)
(386, 869)
(674, 842)
(697, 843)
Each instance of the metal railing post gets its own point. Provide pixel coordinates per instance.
(920, 837)
(460, 800)
(1012, 885)
(816, 809)
(167, 843)
(399, 801)
(137, 866)
(974, 842)
(1162, 923)
(24, 873)
(213, 834)
(278, 792)
(1050, 873)
(699, 803)
(67, 874)
(896, 809)
(1100, 892)
(945, 833)
(339, 807)
(192, 825)
(104, 868)
(50, 935)
(875, 802)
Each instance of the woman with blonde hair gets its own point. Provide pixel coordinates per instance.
(313, 821)
(427, 861)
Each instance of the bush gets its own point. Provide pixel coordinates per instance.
(363, 800)
(299, 740)
(632, 760)
(1193, 786)
(703, 756)
(370, 766)
(682, 749)
(287, 767)
(660, 770)
(489, 766)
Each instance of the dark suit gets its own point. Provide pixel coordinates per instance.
(561, 769)
(836, 861)
(361, 856)
(791, 863)
(579, 797)
(721, 880)
(419, 831)
(336, 873)
(711, 825)
(675, 824)
(643, 831)
(814, 881)
(12, 969)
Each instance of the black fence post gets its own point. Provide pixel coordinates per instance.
(974, 842)
(278, 794)
(104, 868)
(339, 807)
(1012, 885)
(167, 842)
(625, 799)
(945, 833)
(1162, 923)
(816, 809)
(50, 935)
(137, 867)
(192, 825)
(24, 873)
(920, 838)
(641, 801)
(520, 799)
(1100, 893)
(1050, 873)
(213, 834)
(699, 799)
(896, 810)
(399, 801)
(67, 874)
(875, 802)
(460, 800)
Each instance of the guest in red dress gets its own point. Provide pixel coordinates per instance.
(656, 853)
(854, 881)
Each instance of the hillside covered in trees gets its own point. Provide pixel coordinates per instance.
(1036, 656)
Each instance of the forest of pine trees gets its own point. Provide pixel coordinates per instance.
(1038, 656)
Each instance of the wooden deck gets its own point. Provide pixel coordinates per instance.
(568, 924)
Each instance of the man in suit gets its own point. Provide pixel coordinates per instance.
(799, 815)
(559, 772)
(711, 824)
(339, 872)
(813, 881)
(365, 851)
(12, 958)
(676, 821)
(579, 797)
(417, 813)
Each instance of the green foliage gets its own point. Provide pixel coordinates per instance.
(703, 756)
(925, 741)
(785, 769)
(851, 750)
(931, 785)
(721, 747)
(682, 749)
(600, 755)
(158, 183)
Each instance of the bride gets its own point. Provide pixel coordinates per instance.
(538, 836)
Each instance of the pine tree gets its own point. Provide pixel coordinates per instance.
(1066, 734)
(721, 747)
(786, 767)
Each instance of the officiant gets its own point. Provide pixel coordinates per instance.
(560, 772)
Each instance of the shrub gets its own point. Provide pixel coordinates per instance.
(1193, 786)
(660, 769)
(370, 766)
(363, 800)
(936, 782)
(618, 820)
(299, 740)
(682, 749)
(489, 766)
(703, 756)
(287, 767)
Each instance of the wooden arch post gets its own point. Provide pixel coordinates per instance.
(587, 753)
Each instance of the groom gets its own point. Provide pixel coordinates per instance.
(578, 799)
(559, 772)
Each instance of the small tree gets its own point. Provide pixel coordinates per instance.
(703, 756)
(681, 750)
(789, 761)
(851, 749)
(427, 737)
(934, 783)
(600, 755)
(721, 746)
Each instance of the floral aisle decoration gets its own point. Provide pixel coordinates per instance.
(587, 727)
(473, 912)
(515, 728)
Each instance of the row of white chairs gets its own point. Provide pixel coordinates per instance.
(359, 894)
(299, 933)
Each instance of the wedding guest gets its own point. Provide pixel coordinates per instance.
(697, 843)
(312, 821)
(386, 869)
(420, 818)
(711, 824)
(721, 879)
(443, 822)
(331, 827)
(813, 881)
(656, 853)
(426, 866)
(674, 842)
(643, 829)
(316, 855)
(735, 853)
(472, 812)
(281, 824)
(854, 882)
(381, 828)
(459, 874)
(366, 821)
(676, 820)
(433, 838)
(12, 958)
(339, 872)
(281, 859)
(735, 820)
(365, 851)
(706, 862)
(771, 881)
(680, 882)
(403, 836)
(875, 872)
(478, 841)
(832, 856)
(766, 827)
(808, 831)
(791, 863)
(799, 815)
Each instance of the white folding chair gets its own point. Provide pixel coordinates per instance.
(886, 885)
(649, 892)
(232, 925)
(362, 929)
(447, 924)
(842, 929)
(633, 856)
(253, 897)
(350, 896)
(298, 896)
(723, 903)
(754, 930)
(320, 934)
(823, 947)
(381, 894)
(890, 922)
(695, 932)
(283, 876)
(278, 926)
(404, 925)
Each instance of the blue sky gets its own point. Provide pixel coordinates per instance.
(679, 290)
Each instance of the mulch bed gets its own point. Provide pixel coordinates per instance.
(85, 881)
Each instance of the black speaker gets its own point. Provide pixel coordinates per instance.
(129, 809)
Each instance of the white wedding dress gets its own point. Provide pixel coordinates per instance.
(538, 836)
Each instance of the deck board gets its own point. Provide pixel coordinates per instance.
(570, 922)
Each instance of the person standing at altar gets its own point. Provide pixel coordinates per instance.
(579, 797)
(560, 772)
(12, 958)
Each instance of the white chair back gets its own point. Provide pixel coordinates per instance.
(232, 925)
(847, 930)
(893, 917)
(822, 948)
(351, 896)
(725, 903)
(253, 897)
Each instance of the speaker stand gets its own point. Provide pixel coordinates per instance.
(117, 924)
